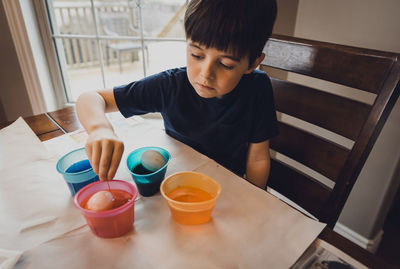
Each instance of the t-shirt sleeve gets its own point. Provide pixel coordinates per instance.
(264, 124)
(149, 94)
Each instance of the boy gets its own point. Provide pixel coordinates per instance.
(218, 104)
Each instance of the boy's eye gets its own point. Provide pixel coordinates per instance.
(196, 56)
(228, 67)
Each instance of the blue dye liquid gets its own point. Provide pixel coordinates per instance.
(140, 170)
(78, 167)
(147, 186)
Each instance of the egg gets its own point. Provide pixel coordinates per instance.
(152, 160)
(100, 201)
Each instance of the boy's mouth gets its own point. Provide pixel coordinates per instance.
(205, 87)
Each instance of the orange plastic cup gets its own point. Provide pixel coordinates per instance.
(188, 208)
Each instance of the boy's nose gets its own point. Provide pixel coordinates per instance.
(207, 71)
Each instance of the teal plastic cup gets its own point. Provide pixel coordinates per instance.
(147, 182)
(76, 170)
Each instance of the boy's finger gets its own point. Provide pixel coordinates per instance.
(88, 148)
(96, 154)
(105, 160)
(116, 159)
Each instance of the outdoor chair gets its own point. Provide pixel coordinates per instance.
(118, 24)
(304, 152)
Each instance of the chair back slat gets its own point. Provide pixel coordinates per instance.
(335, 113)
(366, 70)
(335, 63)
(302, 189)
(323, 156)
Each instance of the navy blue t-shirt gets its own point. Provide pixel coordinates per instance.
(220, 128)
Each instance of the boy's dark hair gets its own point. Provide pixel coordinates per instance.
(239, 26)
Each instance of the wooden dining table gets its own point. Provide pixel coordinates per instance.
(53, 124)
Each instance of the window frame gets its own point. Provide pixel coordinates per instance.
(47, 85)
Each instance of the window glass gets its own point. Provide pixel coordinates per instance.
(101, 44)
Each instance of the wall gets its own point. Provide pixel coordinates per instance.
(14, 100)
(363, 23)
(371, 24)
(42, 74)
(32, 70)
(286, 17)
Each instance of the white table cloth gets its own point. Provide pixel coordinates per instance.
(250, 228)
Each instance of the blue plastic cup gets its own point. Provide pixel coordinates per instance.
(147, 182)
(76, 170)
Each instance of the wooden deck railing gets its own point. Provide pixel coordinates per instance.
(79, 20)
(83, 52)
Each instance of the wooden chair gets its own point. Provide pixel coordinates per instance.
(369, 71)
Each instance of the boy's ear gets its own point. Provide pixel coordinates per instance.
(256, 63)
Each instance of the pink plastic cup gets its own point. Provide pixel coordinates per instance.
(110, 223)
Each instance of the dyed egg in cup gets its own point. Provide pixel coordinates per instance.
(148, 182)
(76, 170)
(190, 196)
(116, 221)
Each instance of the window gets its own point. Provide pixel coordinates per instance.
(104, 43)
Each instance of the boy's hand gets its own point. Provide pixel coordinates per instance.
(104, 150)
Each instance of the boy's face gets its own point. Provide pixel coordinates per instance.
(214, 73)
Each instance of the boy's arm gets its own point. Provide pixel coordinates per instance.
(103, 147)
(258, 163)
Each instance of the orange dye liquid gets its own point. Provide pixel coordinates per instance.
(120, 198)
(189, 194)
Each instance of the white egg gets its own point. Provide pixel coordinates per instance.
(152, 160)
(100, 201)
